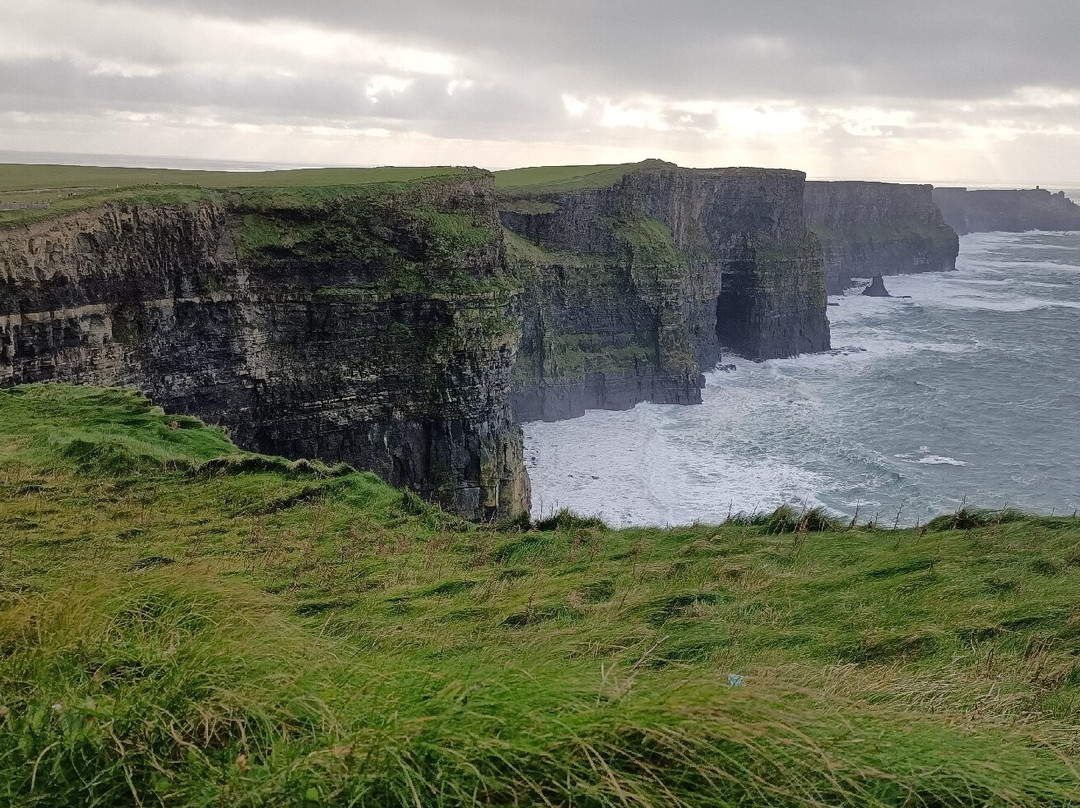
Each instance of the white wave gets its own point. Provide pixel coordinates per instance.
(835, 430)
(939, 460)
(655, 465)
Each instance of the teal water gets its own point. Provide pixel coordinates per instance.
(968, 391)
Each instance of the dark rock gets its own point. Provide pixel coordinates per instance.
(630, 290)
(297, 349)
(1010, 211)
(846, 350)
(364, 327)
(889, 228)
(876, 288)
(729, 368)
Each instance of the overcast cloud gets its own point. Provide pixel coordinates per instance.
(982, 91)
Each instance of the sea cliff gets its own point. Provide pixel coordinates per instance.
(985, 211)
(371, 324)
(878, 228)
(634, 282)
(408, 326)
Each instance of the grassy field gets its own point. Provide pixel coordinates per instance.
(185, 624)
(32, 192)
(19, 177)
(564, 178)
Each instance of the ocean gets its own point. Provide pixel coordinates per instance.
(967, 391)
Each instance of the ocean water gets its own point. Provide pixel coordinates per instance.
(967, 391)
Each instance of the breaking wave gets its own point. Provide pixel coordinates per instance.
(965, 391)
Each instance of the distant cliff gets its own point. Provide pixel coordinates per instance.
(878, 228)
(1010, 211)
(633, 288)
(372, 324)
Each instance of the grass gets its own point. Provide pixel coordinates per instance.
(182, 623)
(19, 177)
(543, 179)
(30, 193)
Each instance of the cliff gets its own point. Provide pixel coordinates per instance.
(406, 326)
(1010, 211)
(632, 287)
(372, 324)
(878, 228)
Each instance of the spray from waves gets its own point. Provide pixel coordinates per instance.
(960, 393)
(645, 466)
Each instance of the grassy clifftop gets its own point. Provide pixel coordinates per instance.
(558, 179)
(185, 624)
(33, 192)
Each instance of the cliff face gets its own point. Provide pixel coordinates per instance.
(878, 228)
(632, 289)
(1009, 211)
(399, 326)
(371, 325)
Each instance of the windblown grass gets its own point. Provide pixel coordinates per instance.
(185, 624)
(30, 193)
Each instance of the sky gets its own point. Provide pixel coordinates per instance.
(975, 91)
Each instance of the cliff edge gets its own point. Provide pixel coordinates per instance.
(986, 211)
(406, 320)
(370, 323)
(636, 276)
(878, 228)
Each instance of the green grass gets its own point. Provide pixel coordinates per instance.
(19, 177)
(649, 241)
(30, 193)
(185, 624)
(48, 206)
(543, 179)
(404, 242)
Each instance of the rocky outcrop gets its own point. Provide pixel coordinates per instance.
(632, 289)
(876, 288)
(988, 211)
(371, 326)
(878, 228)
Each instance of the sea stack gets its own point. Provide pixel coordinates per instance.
(876, 288)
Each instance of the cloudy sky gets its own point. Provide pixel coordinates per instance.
(983, 91)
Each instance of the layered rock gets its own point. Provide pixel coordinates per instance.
(986, 211)
(632, 289)
(878, 228)
(383, 325)
(375, 326)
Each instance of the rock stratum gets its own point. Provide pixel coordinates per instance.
(985, 211)
(878, 228)
(630, 290)
(370, 324)
(408, 327)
